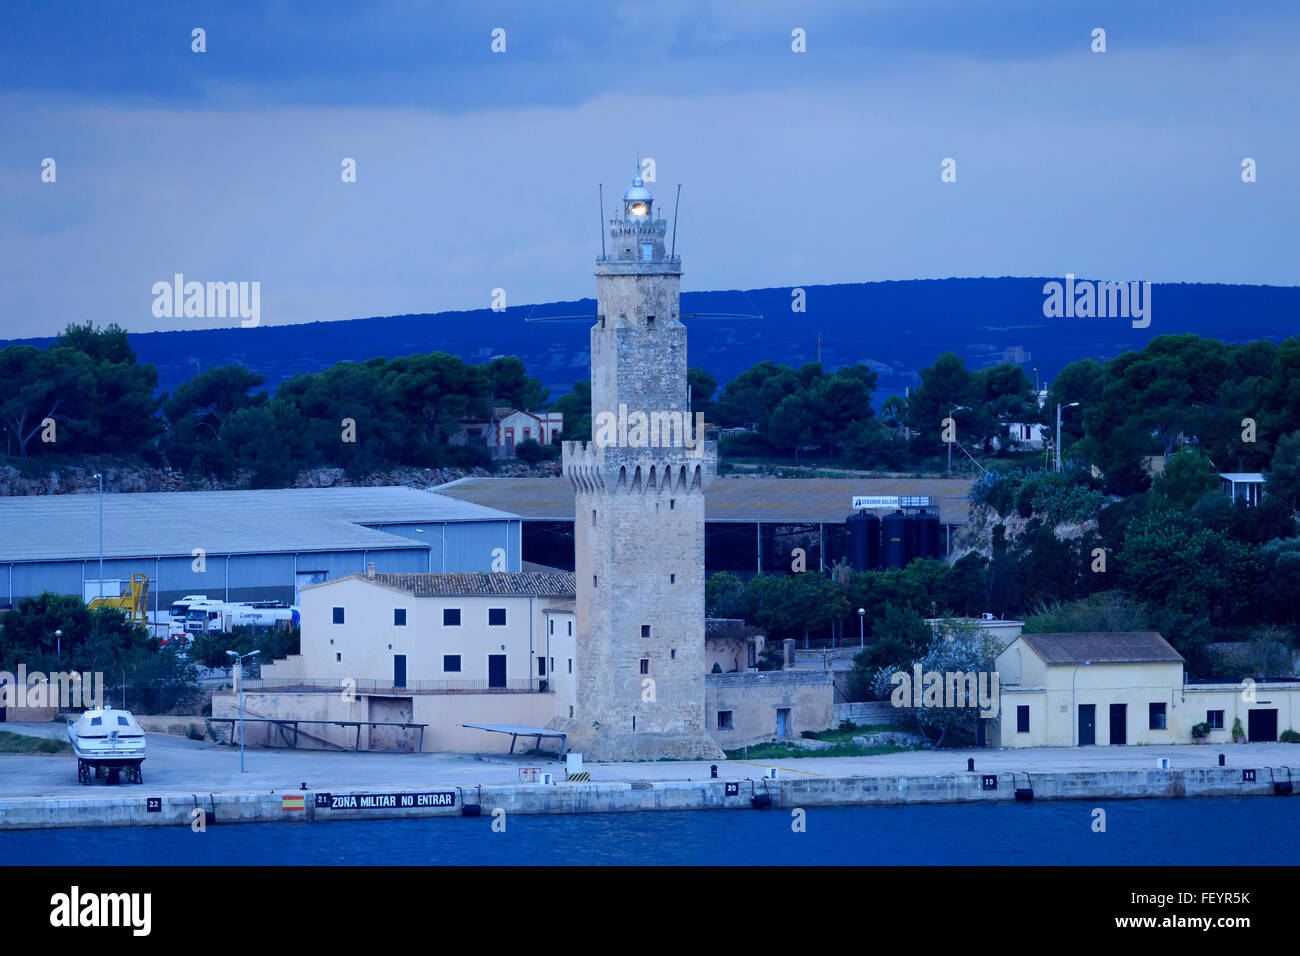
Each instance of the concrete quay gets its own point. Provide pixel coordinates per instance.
(38, 791)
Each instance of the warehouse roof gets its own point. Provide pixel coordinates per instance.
(61, 527)
(1102, 647)
(779, 500)
(558, 584)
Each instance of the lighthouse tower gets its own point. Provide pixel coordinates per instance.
(639, 526)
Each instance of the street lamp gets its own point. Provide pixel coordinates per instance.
(951, 413)
(101, 534)
(1059, 406)
(862, 640)
(58, 645)
(239, 662)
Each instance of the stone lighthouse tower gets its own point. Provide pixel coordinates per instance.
(639, 528)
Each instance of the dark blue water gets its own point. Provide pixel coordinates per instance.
(1220, 831)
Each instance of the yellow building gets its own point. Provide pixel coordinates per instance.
(1123, 687)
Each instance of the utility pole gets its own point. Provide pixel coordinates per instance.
(1059, 406)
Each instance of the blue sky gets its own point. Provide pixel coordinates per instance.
(478, 170)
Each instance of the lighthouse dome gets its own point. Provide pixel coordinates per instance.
(637, 192)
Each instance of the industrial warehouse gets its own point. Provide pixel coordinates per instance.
(751, 525)
(243, 545)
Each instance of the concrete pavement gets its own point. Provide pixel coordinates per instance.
(176, 765)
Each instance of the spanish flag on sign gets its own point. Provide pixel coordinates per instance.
(293, 803)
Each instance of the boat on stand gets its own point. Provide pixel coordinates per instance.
(108, 743)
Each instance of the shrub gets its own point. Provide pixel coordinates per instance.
(194, 733)
(530, 451)
(1289, 737)
(1201, 730)
(1237, 729)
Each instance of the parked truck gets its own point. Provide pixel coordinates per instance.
(195, 614)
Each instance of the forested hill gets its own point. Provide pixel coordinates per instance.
(897, 328)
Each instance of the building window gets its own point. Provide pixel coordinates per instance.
(645, 665)
(451, 663)
(570, 629)
(570, 710)
(550, 627)
(1022, 719)
(649, 319)
(451, 617)
(645, 630)
(672, 579)
(552, 665)
(593, 581)
(672, 503)
(1215, 719)
(593, 517)
(541, 667)
(570, 665)
(338, 656)
(338, 615)
(724, 720)
(672, 655)
(496, 617)
(399, 617)
(1156, 717)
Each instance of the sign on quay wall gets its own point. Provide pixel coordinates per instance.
(385, 801)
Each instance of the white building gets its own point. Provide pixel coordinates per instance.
(433, 649)
(1248, 486)
(1123, 687)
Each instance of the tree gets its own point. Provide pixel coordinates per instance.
(723, 592)
(1283, 480)
(945, 385)
(576, 409)
(702, 385)
(199, 409)
(513, 387)
(1187, 477)
(39, 384)
(959, 647)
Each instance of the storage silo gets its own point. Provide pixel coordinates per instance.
(893, 540)
(864, 541)
(929, 541)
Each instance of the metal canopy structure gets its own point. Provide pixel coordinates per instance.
(523, 730)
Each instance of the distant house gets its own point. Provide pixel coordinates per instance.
(1248, 486)
(1024, 435)
(508, 427)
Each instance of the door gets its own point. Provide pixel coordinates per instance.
(1118, 723)
(782, 722)
(399, 670)
(1261, 725)
(1087, 725)
(496, 670)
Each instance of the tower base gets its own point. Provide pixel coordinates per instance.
(607, 747)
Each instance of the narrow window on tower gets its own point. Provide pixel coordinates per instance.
(672, 579)
(645, 630)
(650, 321)
(602, 322)
(645, 665)
(672, 655)
(672, 503)
(594, 582)
(593, 517)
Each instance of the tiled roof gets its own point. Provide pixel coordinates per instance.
(1103, 647)
(556, 584)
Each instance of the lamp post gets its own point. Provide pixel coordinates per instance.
(239, 662)
(1059, 406)
(951, 413)
(101, 534)
(862, 640)
(58, 645)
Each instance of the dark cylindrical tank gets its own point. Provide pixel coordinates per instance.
(864, 541)
(930, 542)
(893, 543)
(911, 539)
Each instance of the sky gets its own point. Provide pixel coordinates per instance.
(478, 170)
